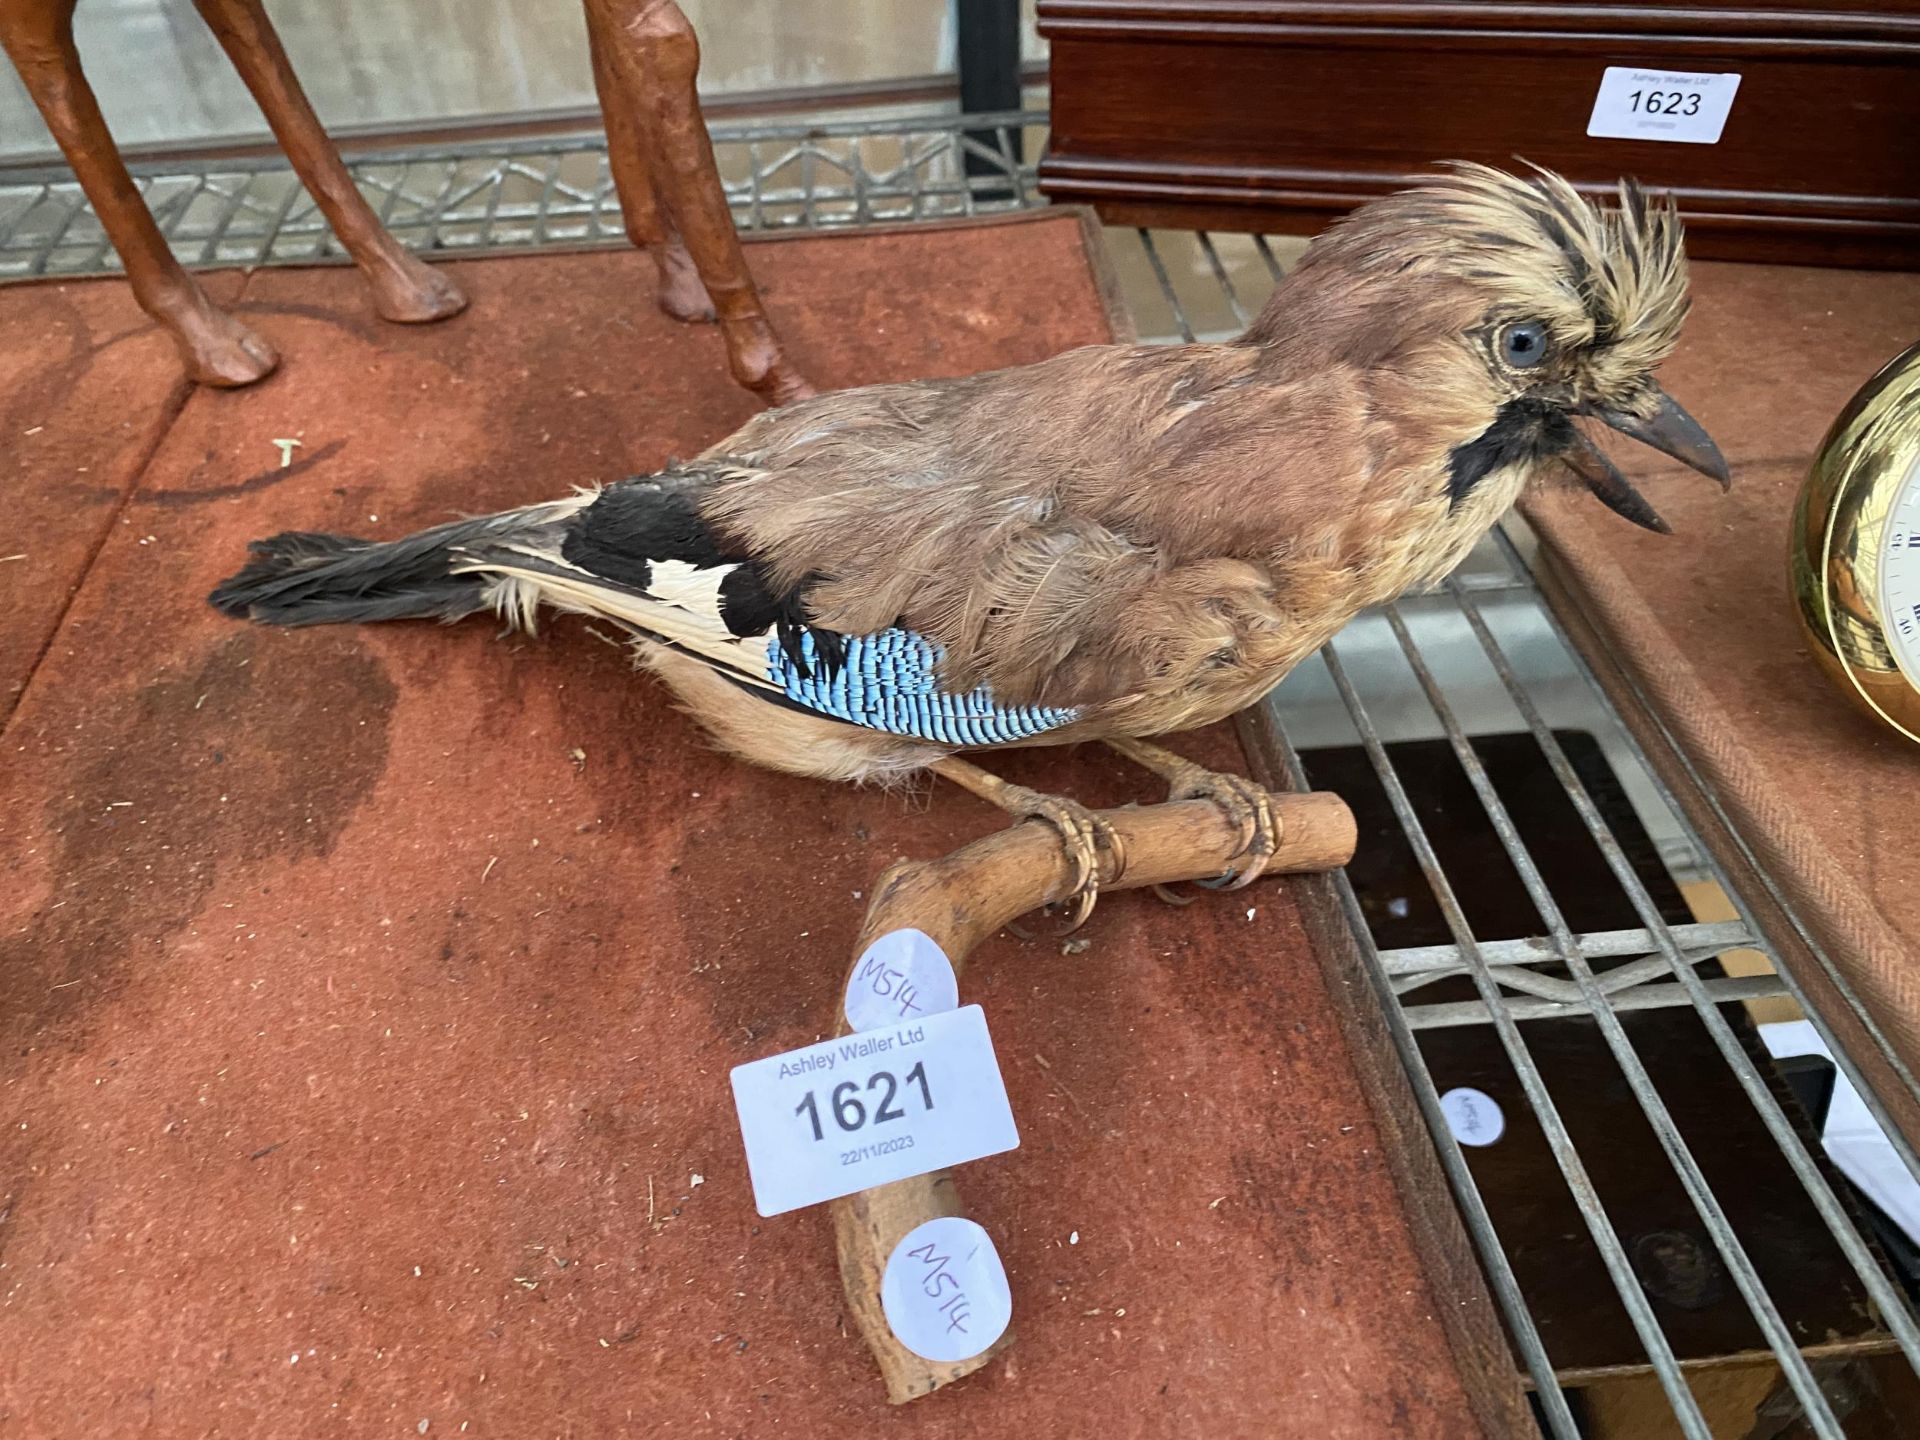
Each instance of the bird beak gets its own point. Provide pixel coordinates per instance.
(1671, 431)
(1610, 487)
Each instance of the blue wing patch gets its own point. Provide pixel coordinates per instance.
(889, 682)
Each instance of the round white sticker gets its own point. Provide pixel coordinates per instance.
(945, 1291)
(902, 976)
(1473, 1115)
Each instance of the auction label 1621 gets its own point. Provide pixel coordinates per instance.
(871, 1108)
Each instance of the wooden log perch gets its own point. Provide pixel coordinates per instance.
(962, 898)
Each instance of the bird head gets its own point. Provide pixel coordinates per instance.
(1530, 308)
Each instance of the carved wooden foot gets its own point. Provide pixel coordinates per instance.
(408, 291)
(759, 363)
(215, 348)
(682, 293)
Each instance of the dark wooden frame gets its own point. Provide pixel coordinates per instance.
(1280, 114)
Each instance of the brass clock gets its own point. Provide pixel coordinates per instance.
(1856, 547)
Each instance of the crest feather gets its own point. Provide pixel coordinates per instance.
(1612, 277)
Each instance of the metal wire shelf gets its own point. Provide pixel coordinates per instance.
(1483, 656)
(1672, 955)
(480, 196)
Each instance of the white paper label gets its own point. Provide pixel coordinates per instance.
(1474, 1117)
(945, 1291)
(869, 1109)
(1637, 104)
(902, 976)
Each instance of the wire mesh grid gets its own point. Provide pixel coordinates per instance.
(1483, 656)
(1509, 992)
(486, 196)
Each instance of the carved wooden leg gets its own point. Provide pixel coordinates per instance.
(630, 157)
(652, 49)
(405, 288)
(215, 348)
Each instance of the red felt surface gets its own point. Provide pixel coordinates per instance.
(88, 385)
(367, 997)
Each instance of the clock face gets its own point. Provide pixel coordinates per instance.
(1900, 575)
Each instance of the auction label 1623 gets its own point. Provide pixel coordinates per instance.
(1650, 104)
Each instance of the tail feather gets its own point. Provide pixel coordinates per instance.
(307, 578)
(638, 554)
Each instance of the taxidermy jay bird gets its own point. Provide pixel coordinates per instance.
(1111, 544)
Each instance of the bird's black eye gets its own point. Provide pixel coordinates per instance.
(1524, 345)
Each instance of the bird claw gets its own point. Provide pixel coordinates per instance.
(1246, 805)
(1083, 835)
(1170, 896)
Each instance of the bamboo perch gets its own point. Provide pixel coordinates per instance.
(962, 898)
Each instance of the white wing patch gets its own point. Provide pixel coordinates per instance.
(695, 590)
(517, 592)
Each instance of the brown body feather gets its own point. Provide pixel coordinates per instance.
(1159, 534)
(1161, 556)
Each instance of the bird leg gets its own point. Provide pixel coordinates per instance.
(1083, 834)
(1245, 803)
